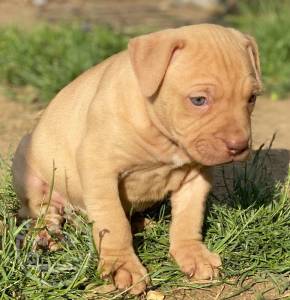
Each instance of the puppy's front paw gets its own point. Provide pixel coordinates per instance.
(195, 260)
(125, 270)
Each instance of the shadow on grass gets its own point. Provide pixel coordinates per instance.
(251, 183)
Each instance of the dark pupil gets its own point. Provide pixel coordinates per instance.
(253, 99)
(198, 100)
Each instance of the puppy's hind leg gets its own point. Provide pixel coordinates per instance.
(50, 219)
(38, 200)
(47, 208)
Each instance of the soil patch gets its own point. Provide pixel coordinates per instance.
(17, 119)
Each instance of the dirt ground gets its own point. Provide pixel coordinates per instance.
(16, 118)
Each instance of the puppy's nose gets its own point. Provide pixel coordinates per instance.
(236, 146)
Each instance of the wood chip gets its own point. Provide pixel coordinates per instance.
(154, 295)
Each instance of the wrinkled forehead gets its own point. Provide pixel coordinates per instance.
(217, 54)
(219, 48)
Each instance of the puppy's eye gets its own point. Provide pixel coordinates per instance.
(198, 101)
(252, 99)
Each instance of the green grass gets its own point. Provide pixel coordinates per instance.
(268, 21)
(248, 226)
(49, 57)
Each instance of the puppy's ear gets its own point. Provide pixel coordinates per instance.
(253, 51)
(150, 56)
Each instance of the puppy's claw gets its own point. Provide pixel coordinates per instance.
(126, 272)
(45, 241)
(196, 261)
(190, 274)
(122, 279)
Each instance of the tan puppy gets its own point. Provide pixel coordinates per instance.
(144, 123)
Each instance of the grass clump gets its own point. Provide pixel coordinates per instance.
(268, 21)
(49, 57)
(248, 229)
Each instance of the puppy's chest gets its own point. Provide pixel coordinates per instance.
(152, 183)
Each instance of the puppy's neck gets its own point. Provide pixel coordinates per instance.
(177, 156)
(157, 123)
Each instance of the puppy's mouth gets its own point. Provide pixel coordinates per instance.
(214, 160)
(244, 155)
(212, 154)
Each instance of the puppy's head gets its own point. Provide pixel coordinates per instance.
(201, 83)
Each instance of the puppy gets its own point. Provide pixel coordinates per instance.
(147, 122)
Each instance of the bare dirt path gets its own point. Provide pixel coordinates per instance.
(16, 119)
(272, 117)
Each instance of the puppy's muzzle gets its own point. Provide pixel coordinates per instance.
(237, 147)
